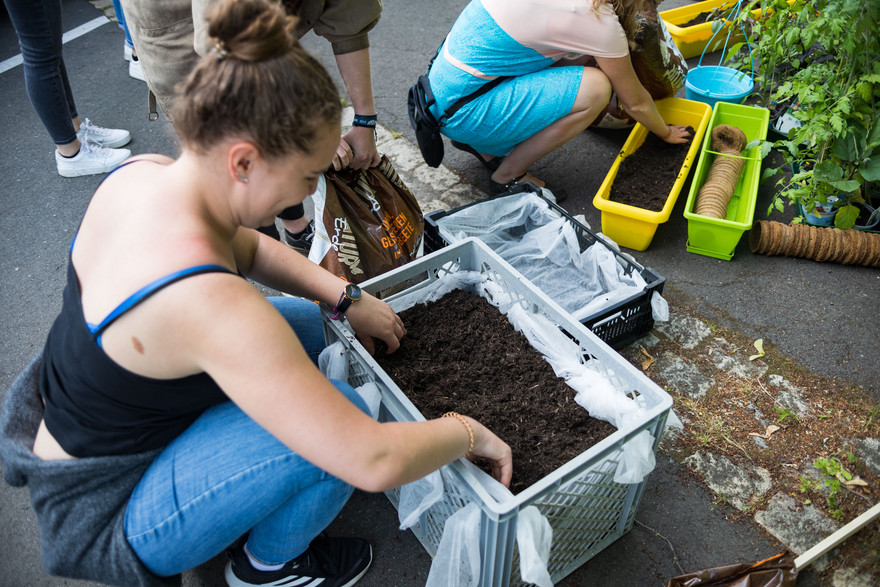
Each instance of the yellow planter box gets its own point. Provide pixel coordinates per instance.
(692, 40)
(634, 227)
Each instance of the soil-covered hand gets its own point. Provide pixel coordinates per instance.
(678, 134)
(372, 318)
(494, 450)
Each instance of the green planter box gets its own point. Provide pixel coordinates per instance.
(716, 237)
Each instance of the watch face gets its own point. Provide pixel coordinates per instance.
(352, 292)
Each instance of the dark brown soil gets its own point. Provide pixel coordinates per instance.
(461, 354)
(646, 176)
(704, 17)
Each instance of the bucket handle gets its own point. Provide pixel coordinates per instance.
(735, 9)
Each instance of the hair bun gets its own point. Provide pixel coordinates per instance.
(250, 30)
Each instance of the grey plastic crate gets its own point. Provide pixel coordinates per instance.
(585, 507)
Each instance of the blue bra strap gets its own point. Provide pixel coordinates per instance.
(149, 289)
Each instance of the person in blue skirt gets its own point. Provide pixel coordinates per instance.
(548, 96)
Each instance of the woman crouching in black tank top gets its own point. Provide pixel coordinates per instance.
(182, 409)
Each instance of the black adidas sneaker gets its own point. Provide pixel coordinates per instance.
(327, 562)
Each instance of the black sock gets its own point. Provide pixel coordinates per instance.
(297, 234)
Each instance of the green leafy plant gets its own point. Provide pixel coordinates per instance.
(820, 55)
(834, 474)
(784, 415)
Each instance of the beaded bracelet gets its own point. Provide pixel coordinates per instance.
(467, 425)
(367, 120)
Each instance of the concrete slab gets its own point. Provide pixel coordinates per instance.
(683, 376)
(736, 483)
(789, 395)
(735, 361)
(799, 527)
(686, 330)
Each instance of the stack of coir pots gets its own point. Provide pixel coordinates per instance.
(849, 247)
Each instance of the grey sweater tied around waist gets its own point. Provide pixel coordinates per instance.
(79, 503)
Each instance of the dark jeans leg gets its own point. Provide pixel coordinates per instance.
(38, 25)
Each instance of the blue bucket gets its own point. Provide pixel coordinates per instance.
(716, 83)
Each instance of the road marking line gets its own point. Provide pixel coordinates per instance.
(65, 38)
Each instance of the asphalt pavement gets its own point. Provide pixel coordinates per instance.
(823, 316)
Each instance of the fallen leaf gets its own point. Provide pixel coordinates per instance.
(649, 362)
(767, 433)
(857, 482)
(759, 346)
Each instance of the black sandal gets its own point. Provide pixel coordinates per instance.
(491, 164)
(496, 188)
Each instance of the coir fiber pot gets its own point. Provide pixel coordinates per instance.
(833, 245)
(718, 237)
(634, 227)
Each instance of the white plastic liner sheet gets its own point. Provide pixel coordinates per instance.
(457, 562)
(543, 246)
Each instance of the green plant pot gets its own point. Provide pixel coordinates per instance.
(718, 237)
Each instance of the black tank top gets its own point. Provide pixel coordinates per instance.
(93, 406)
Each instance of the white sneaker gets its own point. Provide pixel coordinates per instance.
(90, 160)
(110, 138)
(126, 52)
(135, 69)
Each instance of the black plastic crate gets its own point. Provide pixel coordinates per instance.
(617, 325)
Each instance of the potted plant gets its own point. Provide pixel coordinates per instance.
(822, 55)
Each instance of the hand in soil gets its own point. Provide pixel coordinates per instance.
(493, 451)
(380, 348)
(371, 319)
(680, 134)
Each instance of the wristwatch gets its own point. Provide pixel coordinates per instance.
(351, 293)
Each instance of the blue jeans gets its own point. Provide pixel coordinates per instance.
(225, 476)
(120, 17)
(38, 26)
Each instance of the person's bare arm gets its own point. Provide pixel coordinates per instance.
(252, 354)
(636, 100)
(357, 149)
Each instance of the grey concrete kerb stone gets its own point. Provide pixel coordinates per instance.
(868, 450)
(851, 578)
(735, 363)
(790, 396)
(683, 376)
(799, 527)
(738, 483)
(687, 331)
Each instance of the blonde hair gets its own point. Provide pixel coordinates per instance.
(256, 83)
